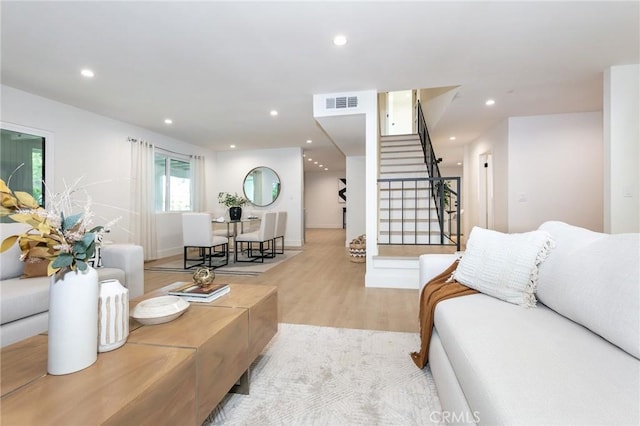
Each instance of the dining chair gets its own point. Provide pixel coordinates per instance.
(263, 237)
(281, 227)
(197, 234)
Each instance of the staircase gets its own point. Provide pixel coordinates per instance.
(407, 210)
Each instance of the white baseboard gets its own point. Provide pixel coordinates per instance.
(173, 251)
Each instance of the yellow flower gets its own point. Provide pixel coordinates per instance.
(64, 241)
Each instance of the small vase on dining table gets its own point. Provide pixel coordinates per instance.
(235, 213)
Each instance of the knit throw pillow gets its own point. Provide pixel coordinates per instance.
(504, 266)
(96, 260)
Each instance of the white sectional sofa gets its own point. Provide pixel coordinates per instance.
(572, 359)
(24, 303)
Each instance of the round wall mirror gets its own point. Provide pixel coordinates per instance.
(261, 186)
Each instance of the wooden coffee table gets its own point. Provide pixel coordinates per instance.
(172, 373)
(228, 353)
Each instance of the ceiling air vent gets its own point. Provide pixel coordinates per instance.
(330, 103)
(342, 102)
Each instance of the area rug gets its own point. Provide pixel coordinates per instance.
(250, 268)
(311, 375)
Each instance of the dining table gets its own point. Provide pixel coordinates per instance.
(235, 223)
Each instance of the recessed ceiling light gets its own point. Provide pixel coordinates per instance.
(310, 159)
(87, 73)
(315, 162)
(459, 164)
(168, 121)
(273, 112)
(490, 102)
(340, 40)
(452, 138)
(320, 165)
(309, 141)
(232, 146)
(326, 168)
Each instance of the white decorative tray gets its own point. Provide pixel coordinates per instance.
(158, 310)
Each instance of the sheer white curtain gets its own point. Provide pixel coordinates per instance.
(143, 217)
(199, 186)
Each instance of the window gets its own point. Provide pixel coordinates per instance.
(172, 183)
(22, 162)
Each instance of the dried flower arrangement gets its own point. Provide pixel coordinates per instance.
(66, 241)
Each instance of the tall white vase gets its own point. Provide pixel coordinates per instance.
(73, 322)
(113, 315)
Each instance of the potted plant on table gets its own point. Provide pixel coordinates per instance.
(64, 243)
(234, 202)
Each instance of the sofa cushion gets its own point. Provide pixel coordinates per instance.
(594, 279)
(15, 331)
(504, 265)
(10, 264)
(21, 298)
(533, 366)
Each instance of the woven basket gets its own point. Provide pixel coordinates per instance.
(358, 252)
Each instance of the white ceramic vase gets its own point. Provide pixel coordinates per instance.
(73, 322)
(113, 315)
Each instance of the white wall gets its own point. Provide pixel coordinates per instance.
(233, 166)
(94, 148)
(321, 199)
(546, 167)
(622, 149)
(555, 170)
(494, 141)
(356, 198)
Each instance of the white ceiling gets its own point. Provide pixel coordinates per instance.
(218, 68)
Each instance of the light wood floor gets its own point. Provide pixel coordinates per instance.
(321, 286)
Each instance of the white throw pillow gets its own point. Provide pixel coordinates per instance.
(96, 260)
(594, 279)
(504, 266)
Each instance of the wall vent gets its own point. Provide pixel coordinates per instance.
(341, 102)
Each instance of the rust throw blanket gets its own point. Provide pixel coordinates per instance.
(436, 290)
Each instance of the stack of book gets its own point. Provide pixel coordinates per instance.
(194, 293)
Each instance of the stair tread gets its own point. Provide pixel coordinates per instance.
(389, 150)
(401, 143)
(407, 188)
(410, 221)
(404, 135)
(392, 233)
(397, 209)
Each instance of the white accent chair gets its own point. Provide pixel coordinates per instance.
(263, 237)
(281, 228)
(197, 234)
